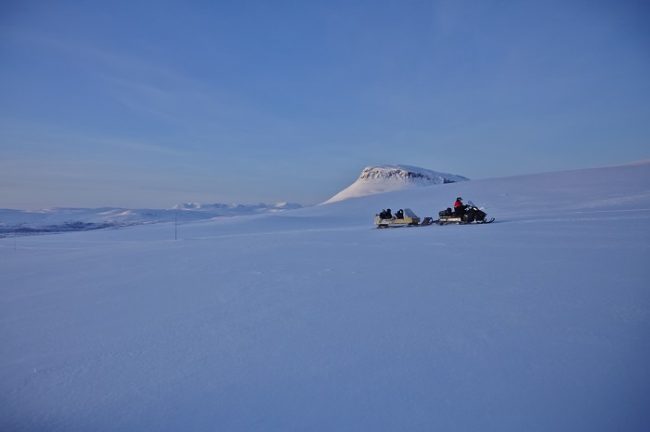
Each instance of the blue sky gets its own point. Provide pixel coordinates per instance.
(147, 104)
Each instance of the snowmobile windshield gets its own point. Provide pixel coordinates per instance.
(409, 213)
(471, 204)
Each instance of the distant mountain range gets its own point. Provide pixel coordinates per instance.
(21, 222)
(388, 178)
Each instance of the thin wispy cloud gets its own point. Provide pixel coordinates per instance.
(147, 87)
(43, 136)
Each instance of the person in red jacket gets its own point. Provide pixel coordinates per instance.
(459, 207)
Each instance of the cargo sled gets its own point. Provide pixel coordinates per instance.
(409, 219)
(471, 215)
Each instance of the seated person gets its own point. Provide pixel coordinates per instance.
(459, 207)
(388, 214)
(399, 214)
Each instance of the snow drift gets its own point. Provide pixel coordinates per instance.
(312, 319)
(385, 178)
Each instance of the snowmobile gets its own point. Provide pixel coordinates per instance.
(472, 214)
(408, 219)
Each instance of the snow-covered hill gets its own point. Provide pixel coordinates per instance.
(386, 178)
(13, 222)
(311, 319)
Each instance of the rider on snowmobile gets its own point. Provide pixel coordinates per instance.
(459, 207)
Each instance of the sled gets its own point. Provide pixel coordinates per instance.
(410, 219)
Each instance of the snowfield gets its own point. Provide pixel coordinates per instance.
(312, 320)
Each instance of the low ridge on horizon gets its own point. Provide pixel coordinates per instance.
(62, 219)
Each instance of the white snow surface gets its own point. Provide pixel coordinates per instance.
(312, 320)
(389, 178)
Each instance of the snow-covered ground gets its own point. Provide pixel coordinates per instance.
(311, 320)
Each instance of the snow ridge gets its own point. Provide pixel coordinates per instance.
(237, 208)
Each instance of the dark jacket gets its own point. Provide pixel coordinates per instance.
(459, 208)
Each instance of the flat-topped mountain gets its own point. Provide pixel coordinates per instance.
(387, 178)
